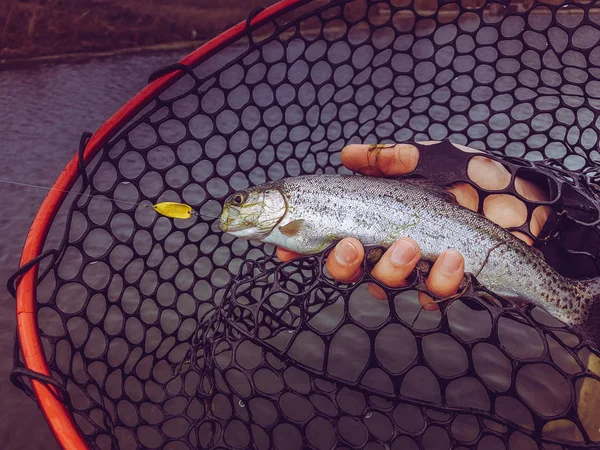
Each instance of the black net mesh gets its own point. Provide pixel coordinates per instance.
(170, 334)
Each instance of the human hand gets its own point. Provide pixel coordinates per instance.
(344, 263)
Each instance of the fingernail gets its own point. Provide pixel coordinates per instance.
(403, 252)
(345, 253)
(450, 262)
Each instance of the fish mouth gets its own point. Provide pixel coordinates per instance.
(227, 222)
(227, 227)
(224, 220)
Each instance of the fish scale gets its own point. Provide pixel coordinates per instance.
(306, 214)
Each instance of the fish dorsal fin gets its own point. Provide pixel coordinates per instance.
(292, 228)
(431, 187)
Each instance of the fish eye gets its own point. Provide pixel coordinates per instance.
(238, 199)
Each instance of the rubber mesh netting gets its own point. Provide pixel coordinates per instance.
(170, 334)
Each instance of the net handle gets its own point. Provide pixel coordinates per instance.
(59, 419)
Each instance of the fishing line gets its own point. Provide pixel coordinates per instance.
(173, 210)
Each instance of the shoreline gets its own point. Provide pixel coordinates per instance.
(58, 58)
(77, 57)
(54, 31)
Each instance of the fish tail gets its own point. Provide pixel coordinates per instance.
(589, 325)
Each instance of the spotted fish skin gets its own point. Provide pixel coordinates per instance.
(322, 209)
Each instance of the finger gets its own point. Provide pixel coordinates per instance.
(286, 255)
(466, 195)
(505, 210)
(538, 219)
(344, 263)
(397, 263)
(446, 274)
(508, 211)
(488, 173)
(466, 149)
(378, 159)
(426, 302)
(532, 191)
(377, 292)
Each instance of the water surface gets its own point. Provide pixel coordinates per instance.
(43, 111)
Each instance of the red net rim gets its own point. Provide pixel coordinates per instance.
(60, 420)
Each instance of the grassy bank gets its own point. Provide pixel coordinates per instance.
(40, 28)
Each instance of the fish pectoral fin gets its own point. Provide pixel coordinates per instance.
(292, 228)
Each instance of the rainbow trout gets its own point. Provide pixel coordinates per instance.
(306, 214)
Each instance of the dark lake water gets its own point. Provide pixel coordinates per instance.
(43, 111)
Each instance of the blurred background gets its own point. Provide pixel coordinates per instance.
(65, 67)
(36, 28)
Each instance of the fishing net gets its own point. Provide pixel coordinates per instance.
(167, 333)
